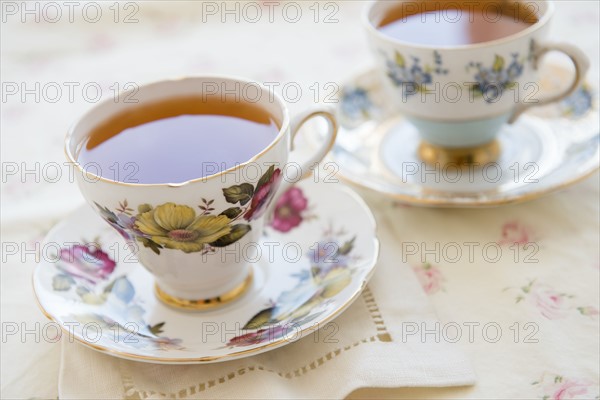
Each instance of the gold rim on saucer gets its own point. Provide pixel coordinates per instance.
(461, 156)
(561, 140)
(204, 304)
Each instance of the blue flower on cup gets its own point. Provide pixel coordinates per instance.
(413, 78)
(490, 82)
(515, 70)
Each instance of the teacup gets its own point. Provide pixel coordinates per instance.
(198, 259)
(460, 96)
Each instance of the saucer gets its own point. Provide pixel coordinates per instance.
(545, 150)
(312, 262)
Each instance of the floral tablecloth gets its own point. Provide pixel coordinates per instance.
(517, 287)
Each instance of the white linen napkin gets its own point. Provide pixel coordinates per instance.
(371, 348)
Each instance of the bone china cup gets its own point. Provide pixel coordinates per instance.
(196, 237)
(459, 96)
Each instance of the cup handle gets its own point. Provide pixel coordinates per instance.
(580, 61)
(330, 135)
(305, 167)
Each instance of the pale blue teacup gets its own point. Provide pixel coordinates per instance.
(460, 96)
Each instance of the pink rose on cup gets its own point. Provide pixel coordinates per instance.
(430, 277)
(288, 210)
(550, 303)
(264, 192)
(88, 262)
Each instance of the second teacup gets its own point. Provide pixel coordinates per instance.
(461, 70)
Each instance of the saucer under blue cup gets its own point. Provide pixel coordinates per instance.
(546, 149)
(317, 255)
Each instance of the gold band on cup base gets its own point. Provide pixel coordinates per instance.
(478, 155)
(204, 304)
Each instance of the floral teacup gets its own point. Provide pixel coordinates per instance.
(459, 96)
(195, 237)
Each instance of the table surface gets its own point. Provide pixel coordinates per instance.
(542, 298)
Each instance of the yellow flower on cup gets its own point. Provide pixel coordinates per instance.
(178, 227)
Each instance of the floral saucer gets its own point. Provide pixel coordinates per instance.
(312, 262)
(545, 150)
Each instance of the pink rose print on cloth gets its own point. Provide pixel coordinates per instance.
(290, 210)
(513, 232)
(557, 387)
(550, 303)
(430, 277)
